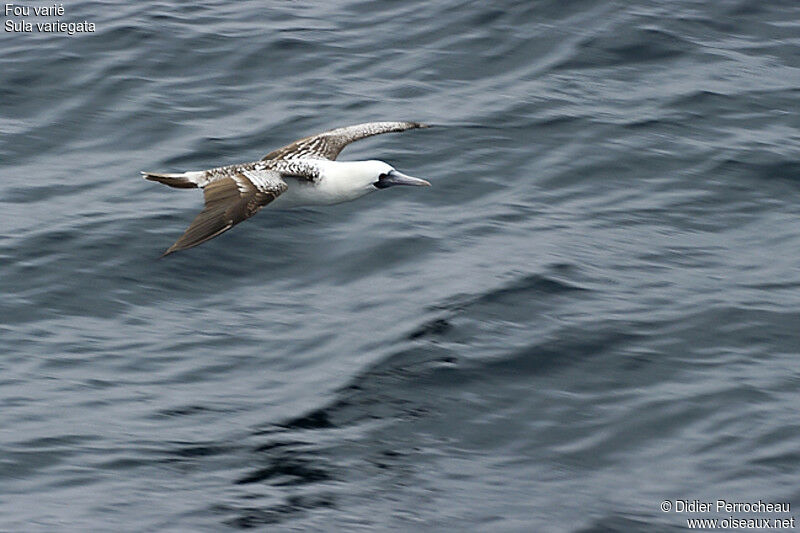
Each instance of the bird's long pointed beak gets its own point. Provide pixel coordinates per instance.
(398, 178)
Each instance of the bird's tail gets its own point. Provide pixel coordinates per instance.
(183, 180)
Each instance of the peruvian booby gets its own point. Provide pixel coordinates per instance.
(304, 172)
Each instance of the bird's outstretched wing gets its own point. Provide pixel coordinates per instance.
(328, 144)
(228, 201)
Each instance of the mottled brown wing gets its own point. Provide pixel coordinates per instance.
(327, 145)
(228, 201)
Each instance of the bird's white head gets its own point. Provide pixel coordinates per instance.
(361, 177)
(386, 176)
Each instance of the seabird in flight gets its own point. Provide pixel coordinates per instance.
(302, 173)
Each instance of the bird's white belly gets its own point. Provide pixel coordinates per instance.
(302, 193)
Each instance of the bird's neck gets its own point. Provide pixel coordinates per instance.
(348, 174)
(342, 181)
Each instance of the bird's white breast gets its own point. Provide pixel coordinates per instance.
(339, 181)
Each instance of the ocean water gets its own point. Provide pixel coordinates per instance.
(594, 309)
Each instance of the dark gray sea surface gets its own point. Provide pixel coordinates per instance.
(595, 307)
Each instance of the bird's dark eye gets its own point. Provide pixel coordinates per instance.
(381, 184)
